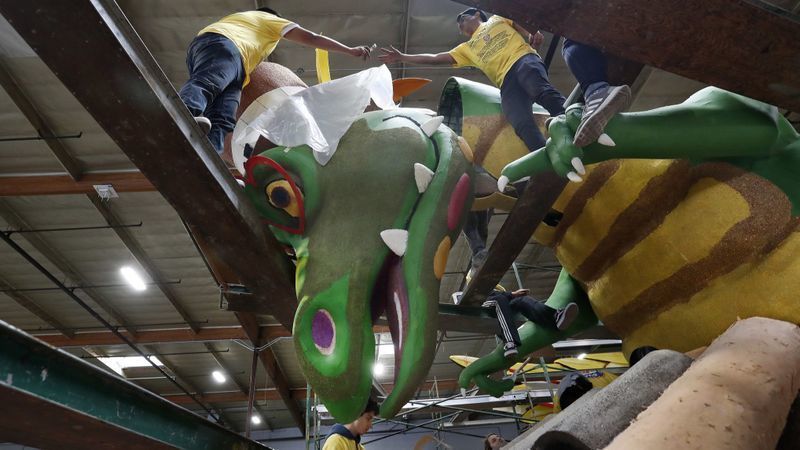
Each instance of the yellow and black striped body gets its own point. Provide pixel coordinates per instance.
(671, 253)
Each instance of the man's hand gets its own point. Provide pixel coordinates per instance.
(362, 51)
(390, 55)
(520, 292)
(537, 39)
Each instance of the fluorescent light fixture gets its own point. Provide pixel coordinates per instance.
(133, 278)
(256, 420)
(218, 376)
(378, 369)
(386, 349)
(118, 363)
(582, 355)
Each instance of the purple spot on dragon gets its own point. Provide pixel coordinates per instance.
(323, 332)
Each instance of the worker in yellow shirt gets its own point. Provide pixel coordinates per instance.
(223, 54)
(504, 51)
(348, 437)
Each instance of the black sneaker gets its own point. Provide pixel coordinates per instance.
(566, 315)
(204, 124)
(599, 108)
(510, 349)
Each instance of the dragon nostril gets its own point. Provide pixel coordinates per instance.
(323, 332)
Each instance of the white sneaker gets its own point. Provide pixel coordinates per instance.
(510, 349)
(204, 124)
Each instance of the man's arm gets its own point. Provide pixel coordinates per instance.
(392, 55)
(534, 39)
(311, 39)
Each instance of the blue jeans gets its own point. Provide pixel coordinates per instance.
(587, 64)
(214, 88)
(524, 84)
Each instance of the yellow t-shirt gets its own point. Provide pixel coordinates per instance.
(255, 33)
(494, 48)
(339, 442)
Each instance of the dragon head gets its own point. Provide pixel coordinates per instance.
(371, 230)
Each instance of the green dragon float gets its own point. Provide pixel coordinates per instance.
(685, 219)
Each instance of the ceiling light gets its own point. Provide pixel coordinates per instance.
(105, 191)
(582, 355)
(218, 376)
(118, 363)
(133, 278)
(386, 349)
(378, 369)
(256, 420)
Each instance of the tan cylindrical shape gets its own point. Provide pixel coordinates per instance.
(735, 396)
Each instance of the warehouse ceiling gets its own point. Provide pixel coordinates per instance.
(150, 236)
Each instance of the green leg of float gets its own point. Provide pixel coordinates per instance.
(533, 337)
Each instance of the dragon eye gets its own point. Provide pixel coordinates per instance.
(281, 195)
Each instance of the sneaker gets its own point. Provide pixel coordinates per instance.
(599, 108)
(479, 258)
(204, 124)
(510, 349)
(489, 304)
(566, 315)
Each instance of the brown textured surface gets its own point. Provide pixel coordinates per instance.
(735, 396)
(596, 180)
(658, 198)
(770, 214)
(490, 127)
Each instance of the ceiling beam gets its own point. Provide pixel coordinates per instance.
(149, 266)
(38, 122)
(80, 405)
(131, 98)
(14, 220)
(237, 396)
(296, 394)
(101, 338)
(528, 211)
(698, 40)
(64, 184)
(57, 184)
(28, 303)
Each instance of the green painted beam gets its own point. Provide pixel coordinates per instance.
(78, 404)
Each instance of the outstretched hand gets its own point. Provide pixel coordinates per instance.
(362, 51)
(390, 55)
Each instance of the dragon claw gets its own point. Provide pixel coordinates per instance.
(606, 140)
(574, 177)
(502, 182)
(578, 165)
